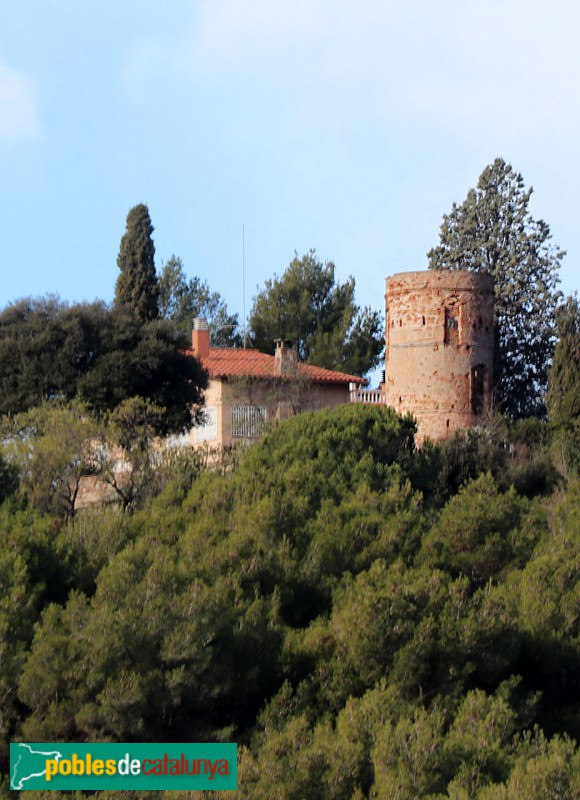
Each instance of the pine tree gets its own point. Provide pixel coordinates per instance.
(137, 284)
(309, 306)
(181, 300)
(493, 231)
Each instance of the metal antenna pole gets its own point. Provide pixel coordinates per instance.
(244, 280)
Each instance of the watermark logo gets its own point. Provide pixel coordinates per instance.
(41, 766)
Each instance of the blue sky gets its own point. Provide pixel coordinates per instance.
(346, 127)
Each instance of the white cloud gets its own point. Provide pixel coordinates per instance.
(500, 71)
(18, 107)
(422, 55)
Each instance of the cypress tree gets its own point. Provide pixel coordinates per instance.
(137, 284)
(563, 397)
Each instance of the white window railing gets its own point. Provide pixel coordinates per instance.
(248, 421)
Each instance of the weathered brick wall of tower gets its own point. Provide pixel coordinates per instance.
(439, 362)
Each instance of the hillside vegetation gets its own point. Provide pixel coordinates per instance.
(363, 618)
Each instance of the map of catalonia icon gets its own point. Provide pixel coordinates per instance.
(29, 764)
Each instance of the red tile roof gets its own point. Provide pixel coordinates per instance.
(237, 362)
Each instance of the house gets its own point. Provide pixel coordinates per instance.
(247, 389)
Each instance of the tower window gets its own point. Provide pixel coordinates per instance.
(451, 335)
(477, 388)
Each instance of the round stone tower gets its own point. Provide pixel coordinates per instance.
(439, 361)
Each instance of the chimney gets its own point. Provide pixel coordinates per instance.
(200, 338)
(285, 357)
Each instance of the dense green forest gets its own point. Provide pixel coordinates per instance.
(366, 619)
